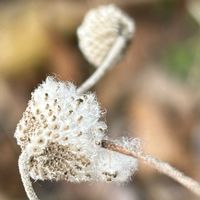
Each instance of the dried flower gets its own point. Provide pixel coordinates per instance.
(99, 31)
(61, 131)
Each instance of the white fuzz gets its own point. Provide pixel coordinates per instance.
(99, 31)
(61, 131)
(131, 144)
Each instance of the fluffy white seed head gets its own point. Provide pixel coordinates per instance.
(99, 31)
(61, 131)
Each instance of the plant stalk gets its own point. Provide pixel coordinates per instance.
(157, 164)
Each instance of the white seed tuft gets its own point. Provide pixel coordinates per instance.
(61, 131)
(99, 31)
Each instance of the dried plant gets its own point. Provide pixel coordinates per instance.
(103, 38)
(62, 135)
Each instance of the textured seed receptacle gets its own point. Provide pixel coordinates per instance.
(61, 131)
(99, 31)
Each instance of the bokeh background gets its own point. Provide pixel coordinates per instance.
(153, 93)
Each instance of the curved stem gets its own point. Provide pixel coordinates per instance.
(111, 59)
(22, 162)
(159, 165)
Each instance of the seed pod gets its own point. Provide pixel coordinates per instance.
(99, 31)
(61, 132)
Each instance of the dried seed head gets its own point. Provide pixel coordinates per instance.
(64, 143)
(99, 31)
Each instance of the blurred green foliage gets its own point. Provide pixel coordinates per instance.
(180, 57)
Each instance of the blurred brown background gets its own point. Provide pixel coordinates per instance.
(153, 94)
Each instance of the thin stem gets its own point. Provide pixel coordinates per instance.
(159, 165)
(22, 162)
(111, 58)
